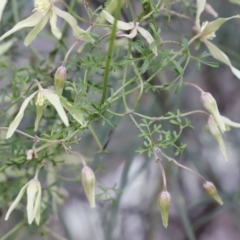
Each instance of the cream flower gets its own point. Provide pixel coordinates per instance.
(44, 11)
(206, 32)
(42, 96)
(34, 192)
(131, 27)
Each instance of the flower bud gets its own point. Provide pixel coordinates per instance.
(217, 135)
(211, 191)
(164, 201)
(60, 78)
(209, 103)
(33, 200)
(88, 181)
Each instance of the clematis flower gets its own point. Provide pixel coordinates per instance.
(34, 192)
(45, 11)
(134, 29)
(42, 95)
(206, 32)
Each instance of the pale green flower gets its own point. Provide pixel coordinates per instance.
(42, 96)
(34, 192)
(134, 29)
(45, 11)
(206, 32)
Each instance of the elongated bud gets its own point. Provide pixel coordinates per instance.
(209, 103)
(211, 191)
(60, 78)
(88, 181)
(214, 130)
(164, 202)
(33, 200)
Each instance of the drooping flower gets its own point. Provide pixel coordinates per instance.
(44, 11)
(133, 28)
(34, 192)
(210, 105)
(206, 31)
(42, 96)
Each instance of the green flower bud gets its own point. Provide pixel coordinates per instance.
(209, 103)
(88, 181)
(164, 202)
(214, 130)
(60, 78)
(211, 191)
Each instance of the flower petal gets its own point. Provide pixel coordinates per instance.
(235, 1)
(229, 123)
(53, 23)
(32, 35)
(221, 56)
(200, 7)
(6, 45)
(148, 37)
(37, 206)
(14, 124)
(76, 113)
(213, 26)
(2, 6)
(120, 24)
(77, 31)
(53, 98)
(16, 201)
(38, 117)
(31, 21)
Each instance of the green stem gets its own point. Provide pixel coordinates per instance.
(109, 53)
(14, 229)
(95, 137)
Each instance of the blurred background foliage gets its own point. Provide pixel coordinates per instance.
(128, 182)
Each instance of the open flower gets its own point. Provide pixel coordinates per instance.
(206, 32)
(34, 192)
(45, 11)
(132, 28)
(42, 95)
